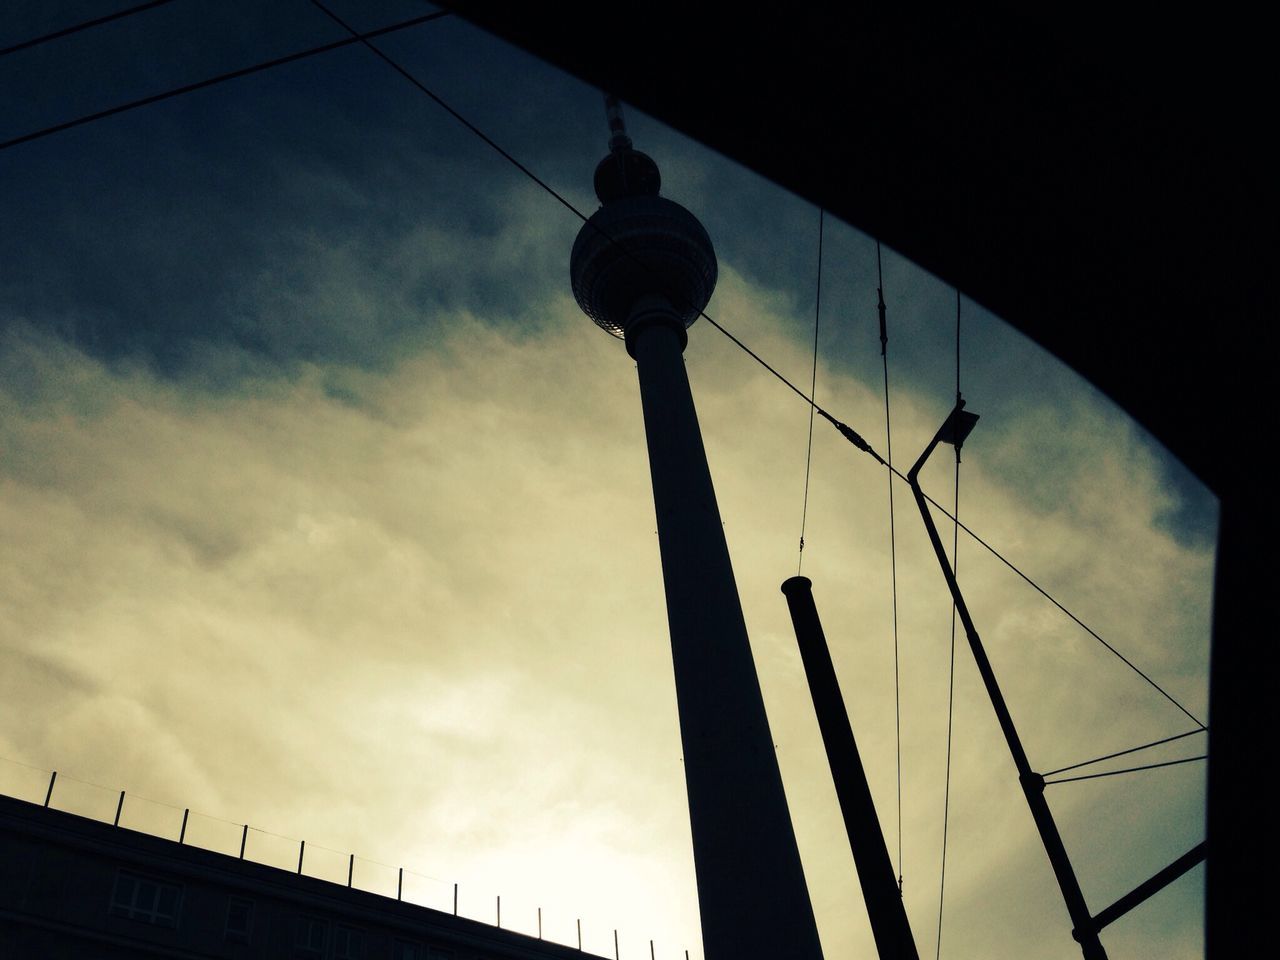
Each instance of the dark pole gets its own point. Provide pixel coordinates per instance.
(870, 855)
(1085, 930)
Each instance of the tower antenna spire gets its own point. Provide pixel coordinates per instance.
(618, 139)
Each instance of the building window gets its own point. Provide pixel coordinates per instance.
(407, 950)
(434, 954)
(309, 935)
(145, 899)
(348, 944)
(239, 919)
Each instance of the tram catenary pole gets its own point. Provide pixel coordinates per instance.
(1085, 930)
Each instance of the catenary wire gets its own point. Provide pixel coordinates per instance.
(87, 24)
(893, 545)
(813, 392)
(1121, 753)
(1112, 773)
(221, 78)
(951, 674)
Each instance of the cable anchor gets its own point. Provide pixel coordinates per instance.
(852, 436)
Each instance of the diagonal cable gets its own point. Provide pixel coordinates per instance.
(76, 28)
(813, 392)
(1112, 773)
(893, 546)
(1122, 753)
(220, 78)
(951, 676)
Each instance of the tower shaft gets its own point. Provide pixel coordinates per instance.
(751, 888)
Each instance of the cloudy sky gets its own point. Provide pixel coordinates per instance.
(324, 508)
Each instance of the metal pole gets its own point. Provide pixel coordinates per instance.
(1084, 929)
(455, 899)
(579, 934)
(539, 923)
(875, 871)
(351, 869)
(182, 834)
(119, 808)
(400, 885)
(302, 849)
(49, 794)
(616, 955)
(499, 912)
(244, 838)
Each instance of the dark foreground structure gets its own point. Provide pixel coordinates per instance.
(72, 888)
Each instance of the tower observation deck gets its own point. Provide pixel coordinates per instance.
(643, 268)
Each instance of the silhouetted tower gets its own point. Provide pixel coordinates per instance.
(643, 268)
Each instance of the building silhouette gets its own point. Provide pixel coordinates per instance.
(74, 888)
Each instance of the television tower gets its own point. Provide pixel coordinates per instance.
(643, 268)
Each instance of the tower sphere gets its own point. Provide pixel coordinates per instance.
(639, 246)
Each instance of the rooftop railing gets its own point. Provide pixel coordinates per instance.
(58, 791)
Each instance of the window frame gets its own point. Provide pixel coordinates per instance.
(354, 946)
(153, 912)
(305, 947)
(236, 934)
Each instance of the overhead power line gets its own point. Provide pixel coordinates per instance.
(68, 31)
(1112, 773)
(220, 78)
(1121, 753)
(813, 391)
(893, 545)
(951, 670)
